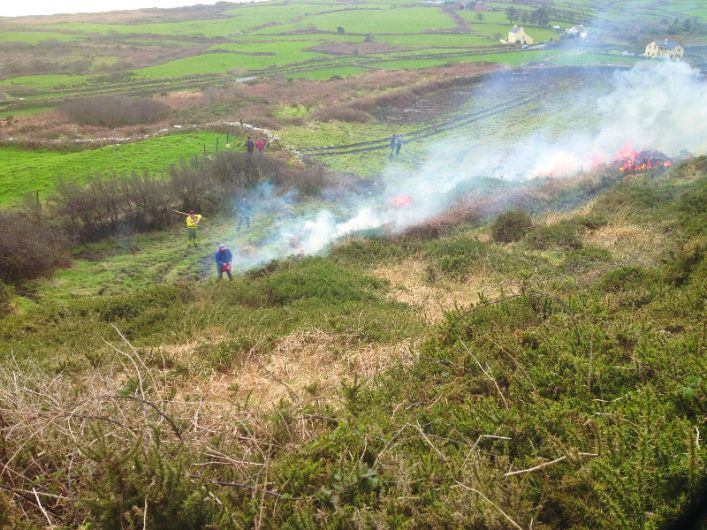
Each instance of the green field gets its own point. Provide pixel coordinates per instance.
(401, 20)
(35, 37)
(28, 171)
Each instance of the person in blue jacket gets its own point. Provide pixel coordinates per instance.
(223, 258)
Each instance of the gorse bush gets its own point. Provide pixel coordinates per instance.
(511, 226)
(114, 111)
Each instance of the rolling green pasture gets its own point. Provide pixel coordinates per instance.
(210, 63)
(427, 40)
(400, 20)
(241, 19)
(26, 171)
(35, 37)
(46, 82)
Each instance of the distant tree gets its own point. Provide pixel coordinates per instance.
(370, 38)
(686, 25)
(540, 17)
(497, 36)
(512, 14)
(479, 16)
(525, 17)
(340, 30)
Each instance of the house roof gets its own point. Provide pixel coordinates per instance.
(667, 44)
(516, 29)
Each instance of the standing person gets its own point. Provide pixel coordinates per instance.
(398, 143)
(260, 145)
(393, 141)
(249, 145)
(193, 220)
(223, 258)
(243, 211)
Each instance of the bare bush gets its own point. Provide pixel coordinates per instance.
(138, 203)
(114, 111)
(29, 247)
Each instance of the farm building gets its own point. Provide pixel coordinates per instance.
(576, 32)
(519, 36)
(667, 48)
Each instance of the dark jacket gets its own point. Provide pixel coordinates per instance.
(223, 257)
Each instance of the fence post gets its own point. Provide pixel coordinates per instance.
(204, 148)
(217, 140)
(36, 194)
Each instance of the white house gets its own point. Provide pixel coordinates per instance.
(519, 36)
(666, 48)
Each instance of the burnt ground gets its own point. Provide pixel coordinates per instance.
(427, 107)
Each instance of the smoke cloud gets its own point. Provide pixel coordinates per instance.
(657, 105)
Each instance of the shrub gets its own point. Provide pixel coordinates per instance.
(562, 235)
(454, 258)
(623, 279)
(29, 247)
(104, 206)
(511, 226)
(114, 111)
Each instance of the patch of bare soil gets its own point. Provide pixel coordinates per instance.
(409, 286)
(353, 48)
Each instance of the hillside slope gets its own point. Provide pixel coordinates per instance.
(431, 380)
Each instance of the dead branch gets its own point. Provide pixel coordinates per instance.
(498, 388)
(508, 518)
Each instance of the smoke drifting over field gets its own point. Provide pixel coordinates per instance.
(655, 105)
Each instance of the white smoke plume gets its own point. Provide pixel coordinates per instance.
(657, 105)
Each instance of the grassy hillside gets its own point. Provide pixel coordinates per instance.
(27, 171)
(110, 52)
(556, 381)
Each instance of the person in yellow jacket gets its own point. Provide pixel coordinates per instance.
(193, 220)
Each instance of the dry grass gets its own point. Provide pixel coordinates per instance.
(305, 365)
(630, 243)
(409, 286)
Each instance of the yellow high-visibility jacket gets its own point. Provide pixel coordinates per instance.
(193, 220)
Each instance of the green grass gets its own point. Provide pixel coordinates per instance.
(240, 20)
(400, 20)
(35, 37)
(224, 62)
(512, 58)
(26, 112)
(423, 40)
(26, 171)
(327, 73)
(47, 82)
